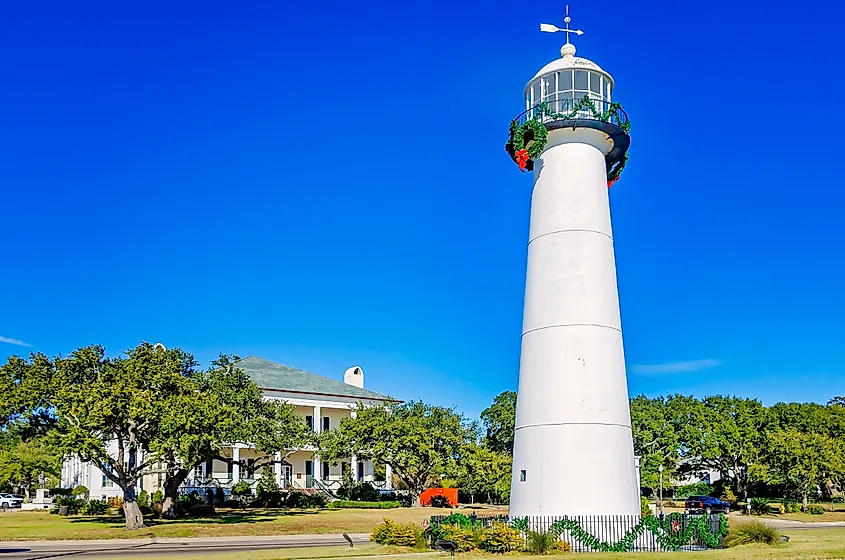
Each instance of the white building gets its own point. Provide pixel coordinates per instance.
(322, 401)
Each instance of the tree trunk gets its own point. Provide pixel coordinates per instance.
(172, 482)
(415, 498)
(26, 493)
(131, 510)
(805, 502)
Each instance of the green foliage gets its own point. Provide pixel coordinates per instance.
(96, 507)
(482, 471)
(242, 488)
(158, 497)
(753, 532)
(144, 499)
(791, 506)
(645, 508)
(838, 500)
(439, 502)
(500, 538)
(26, 462)
(267, 481)
(417, 440)
(814, 509)
(465, 538)
(80, 491)
(395, 534)
(759, 506)
(361, 492)
(364, 505)
(499, 420)
(219, 497)
(61, 492)
(697, 489)
(729, 496)
(803, 460)
(202, 510)
(674, 538)
(74, 505)
(541, 543)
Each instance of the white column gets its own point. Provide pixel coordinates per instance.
(573, 451)
(278, 468)
(236, 469)
(388, 477)
(318, 420)
(354, 466)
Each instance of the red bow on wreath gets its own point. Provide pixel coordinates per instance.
(522, 159)
(676, 526)
(610, 183)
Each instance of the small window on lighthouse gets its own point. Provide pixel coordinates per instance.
(581, 80)
(522, 476)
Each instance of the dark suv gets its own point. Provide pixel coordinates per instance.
(706, 504)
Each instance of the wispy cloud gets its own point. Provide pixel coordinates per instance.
(14, 341)
(677, 367)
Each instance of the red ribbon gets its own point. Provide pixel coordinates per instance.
(522, 159)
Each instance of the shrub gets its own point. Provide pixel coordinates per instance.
(95, 507)
(231, 504)
(838, 499)
(115, 502)
(80, 491)
(439, 502)
(645, 510)
(364, 505)
(361, 492)
(541, 543)
(815, 510)
(465, 538)
(729, 496)
(697, 489)
(269, 500)
(209, 496)
(219, 497)
(242, 488)
(74, 505)
(500, 538)
(158, 497)
(563, 546)
(388, 497)
(394, 534)
(316, 501)
(791, 506)
(759, 506)
(267, 482)
(55, 492)
(144, 499)
(202, 510)
(751, 532)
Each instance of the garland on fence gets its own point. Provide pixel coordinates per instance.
(519, 133)
(678, 536)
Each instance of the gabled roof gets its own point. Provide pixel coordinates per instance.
(278, 377)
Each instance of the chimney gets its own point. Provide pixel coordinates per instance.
(354, 376)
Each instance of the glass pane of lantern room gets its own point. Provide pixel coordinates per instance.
(549, 88)
(564, 80)
(595, 82)
(581, 79)
(535, 92)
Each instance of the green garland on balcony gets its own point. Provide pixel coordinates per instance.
(673, 540)
(517, 133)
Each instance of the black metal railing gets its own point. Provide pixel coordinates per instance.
(603, 533)
(577, 109)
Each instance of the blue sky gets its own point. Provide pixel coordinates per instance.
(324, 184)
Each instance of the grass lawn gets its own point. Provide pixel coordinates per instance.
(39, 525)
(362, 550)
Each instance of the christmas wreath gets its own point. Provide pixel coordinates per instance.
(527, 141)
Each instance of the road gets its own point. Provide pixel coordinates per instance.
(43, 550)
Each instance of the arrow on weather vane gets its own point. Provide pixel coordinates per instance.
(549, 28)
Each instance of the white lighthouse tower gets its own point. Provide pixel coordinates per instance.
(573, 451)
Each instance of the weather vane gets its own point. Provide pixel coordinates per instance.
(549, 28)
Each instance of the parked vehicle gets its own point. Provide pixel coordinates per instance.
(10, 501)
(706, 504)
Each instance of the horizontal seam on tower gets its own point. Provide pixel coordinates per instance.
(569, 230)
(574, 424)
(572, 325)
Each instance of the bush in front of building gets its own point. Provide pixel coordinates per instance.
(74, 505)
(158, 497)
(349, 504)
(219, 497)
(500, 538)
(815, 510)
(360, 492)
(396, 534)
(56, 492)
(96, 507)
(143, 499)
(465, 538)
(80, 491)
